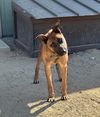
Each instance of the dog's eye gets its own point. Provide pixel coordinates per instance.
(53, 44)
(59, 41)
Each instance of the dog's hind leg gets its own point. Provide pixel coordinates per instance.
(59, 72)
(36, 81)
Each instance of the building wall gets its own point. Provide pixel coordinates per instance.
(6, 17)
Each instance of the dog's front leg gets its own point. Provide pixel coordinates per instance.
(64, 76)
(51, 94)
(59, 72)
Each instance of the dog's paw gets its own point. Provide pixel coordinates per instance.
(52, 99)
(36, 82)
(64, 97)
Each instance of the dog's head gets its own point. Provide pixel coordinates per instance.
(54, 40)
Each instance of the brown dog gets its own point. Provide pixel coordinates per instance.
(53, 50)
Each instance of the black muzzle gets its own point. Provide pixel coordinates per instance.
(61, 51)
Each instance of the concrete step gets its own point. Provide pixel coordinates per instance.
(4, 48)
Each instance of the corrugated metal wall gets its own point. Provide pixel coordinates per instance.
(6, 17)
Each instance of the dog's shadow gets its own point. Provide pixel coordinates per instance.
(40, 106)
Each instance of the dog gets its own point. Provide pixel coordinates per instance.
(53, 50)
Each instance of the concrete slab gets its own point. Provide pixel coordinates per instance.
(4, 48)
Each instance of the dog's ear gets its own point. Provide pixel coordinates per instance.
(43, 38)
(56, 27)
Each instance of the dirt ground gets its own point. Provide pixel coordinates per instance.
(20, 98)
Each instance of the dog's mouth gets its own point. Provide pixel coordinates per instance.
(61, 51)
(61, 54)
